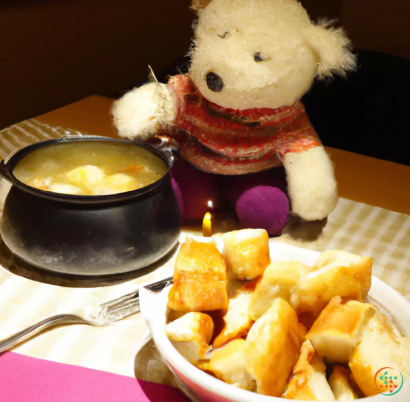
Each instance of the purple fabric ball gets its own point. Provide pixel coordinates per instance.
(178, 196)
(263, 207)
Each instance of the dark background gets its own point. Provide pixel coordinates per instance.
(59, 51)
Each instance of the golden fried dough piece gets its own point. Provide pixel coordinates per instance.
(307, 289)
(354, 385)
(200, 280)
(340, 385)
(272, 348)
(237, 320)
(191, 335)
(309, 378)
(233, 283)
(279, 280)
(246, 252)
(229, 365)
(174, 315)
(335, 273)
(379, 347)
(338, 329)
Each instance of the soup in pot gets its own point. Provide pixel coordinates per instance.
(90, 168)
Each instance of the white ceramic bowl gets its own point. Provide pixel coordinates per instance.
(201, 387)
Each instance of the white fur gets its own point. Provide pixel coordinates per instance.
(197, 4)
(145, 111)
(294, 50)
(230, 32)
(332, 46)
(311, 183)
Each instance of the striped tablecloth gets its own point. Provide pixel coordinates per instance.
(29, 132)
(353, 227)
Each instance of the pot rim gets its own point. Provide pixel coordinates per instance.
(7, 166)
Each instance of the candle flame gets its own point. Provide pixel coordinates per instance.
(207, 225)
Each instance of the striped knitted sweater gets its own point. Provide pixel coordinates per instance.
(232, 142)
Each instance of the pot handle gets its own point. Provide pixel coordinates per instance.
(5, 173)
(167, 146)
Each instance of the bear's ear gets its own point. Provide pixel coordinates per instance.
(198, 4)
(333, 48)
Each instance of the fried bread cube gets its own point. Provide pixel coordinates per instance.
(85, 175)
(279, 280)
(335, 273)
(272, 348)
(237, 320)
(309, 378)
(233, 283)
(174, 315)
(338, 329)
(200, 280)
(246, 252)
(307, 289)
(191, 335)
(340, 385)
(379, 347)
(229, 365)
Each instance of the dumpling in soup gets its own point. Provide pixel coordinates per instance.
(116, 183)
(90, 168)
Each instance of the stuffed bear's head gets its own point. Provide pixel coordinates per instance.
(262, 53)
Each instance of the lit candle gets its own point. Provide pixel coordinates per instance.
(207, 225)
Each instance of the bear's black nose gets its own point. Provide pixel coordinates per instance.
(214, 82)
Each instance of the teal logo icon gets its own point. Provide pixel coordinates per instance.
(389, 381)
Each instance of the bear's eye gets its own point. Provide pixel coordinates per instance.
(258, 57)
(214, 82)
(224, 35)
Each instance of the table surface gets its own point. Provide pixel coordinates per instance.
(360, 178)
(353, 226)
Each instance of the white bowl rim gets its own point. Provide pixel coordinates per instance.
(157, 323)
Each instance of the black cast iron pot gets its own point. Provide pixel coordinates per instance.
(90, 235)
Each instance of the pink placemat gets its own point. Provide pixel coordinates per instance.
(26, 379)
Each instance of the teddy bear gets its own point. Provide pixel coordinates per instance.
(237, 115)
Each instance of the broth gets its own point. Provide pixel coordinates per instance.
(90, 168)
